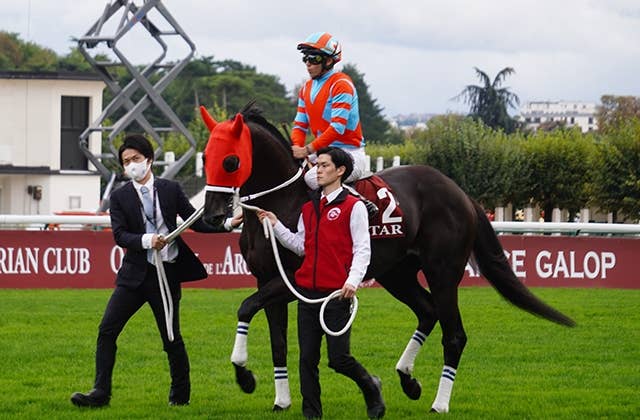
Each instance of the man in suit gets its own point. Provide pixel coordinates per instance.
(143, 211)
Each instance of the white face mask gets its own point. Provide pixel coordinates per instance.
(136, 171)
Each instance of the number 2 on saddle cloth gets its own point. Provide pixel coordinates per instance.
(389, 221)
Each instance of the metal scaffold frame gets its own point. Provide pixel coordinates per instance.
(131, 14)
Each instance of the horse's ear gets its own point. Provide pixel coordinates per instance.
(207, 118)
(236, 128)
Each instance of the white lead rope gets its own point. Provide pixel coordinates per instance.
(269, 234)
(165, 291)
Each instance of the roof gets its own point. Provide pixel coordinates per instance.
(50, 75)
(39, 170)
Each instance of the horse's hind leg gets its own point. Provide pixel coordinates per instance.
(402, 283)
(444, 288)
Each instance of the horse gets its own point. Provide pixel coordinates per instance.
(443, 228)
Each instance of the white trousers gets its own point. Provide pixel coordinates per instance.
(359, 165)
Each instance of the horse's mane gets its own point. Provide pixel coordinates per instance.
(252, 113)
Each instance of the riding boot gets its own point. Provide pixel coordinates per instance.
(372, 209)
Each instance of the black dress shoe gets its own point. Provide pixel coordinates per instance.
(93, 398)
(375, 404)
(177, 402)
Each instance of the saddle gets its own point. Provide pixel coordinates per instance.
(388, 222)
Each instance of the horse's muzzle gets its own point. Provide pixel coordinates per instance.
(214, 220)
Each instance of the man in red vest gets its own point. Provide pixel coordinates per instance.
(333, 236)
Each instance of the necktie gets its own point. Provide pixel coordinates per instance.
(323, 203)
(147, 204)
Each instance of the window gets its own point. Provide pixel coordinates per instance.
(75, 202)
(590, 120)
(74, 120)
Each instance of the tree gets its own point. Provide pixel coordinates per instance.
(616, 110)
(16, 54)
(490, 102)
(482, 161)
(375, 127)
(616, 186)
(558, 165)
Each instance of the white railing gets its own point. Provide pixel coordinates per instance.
(567, 228)
(40, 221)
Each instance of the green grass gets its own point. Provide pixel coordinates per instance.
(514, 366)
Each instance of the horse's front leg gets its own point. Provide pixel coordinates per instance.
(239, 355)
(272, 296)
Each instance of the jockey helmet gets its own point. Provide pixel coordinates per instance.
(323, 43)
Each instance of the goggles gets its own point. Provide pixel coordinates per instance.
(312, 58)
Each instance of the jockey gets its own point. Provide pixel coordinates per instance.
(328, 108)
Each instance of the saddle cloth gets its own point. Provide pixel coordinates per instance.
(389, 221)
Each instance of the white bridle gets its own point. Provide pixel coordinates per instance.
(234, 190)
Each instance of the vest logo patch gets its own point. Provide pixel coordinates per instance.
(333, 214)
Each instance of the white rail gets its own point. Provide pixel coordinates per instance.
(567, 228)
(18, 219)
(506, 227)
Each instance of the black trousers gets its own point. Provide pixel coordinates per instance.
(122, 305)
(310, 335)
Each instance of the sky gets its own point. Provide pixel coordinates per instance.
(416, 55)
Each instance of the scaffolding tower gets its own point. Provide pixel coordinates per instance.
(140, 85)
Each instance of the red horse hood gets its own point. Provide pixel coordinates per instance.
(228, 154)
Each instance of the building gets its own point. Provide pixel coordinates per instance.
(42, 169)
(570, 114)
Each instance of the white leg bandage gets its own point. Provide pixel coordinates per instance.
(239, 354)
(441, 403)
(406, 361)
(283, 396)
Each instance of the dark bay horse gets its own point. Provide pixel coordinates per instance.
(443, 228)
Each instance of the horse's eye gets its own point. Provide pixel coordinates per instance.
(231, 163)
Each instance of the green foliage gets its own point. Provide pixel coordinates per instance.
(16, 54)
(616, 186)
(375, 127)
(559, 169)
(483, 162)
(615, 111)
(229, 85)
(514, 365)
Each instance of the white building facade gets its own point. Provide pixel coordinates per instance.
(581, 114)
(42, 169)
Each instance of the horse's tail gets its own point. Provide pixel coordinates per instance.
(496, 269)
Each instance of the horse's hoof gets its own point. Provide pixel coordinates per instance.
(439, 410)
(276, 407)
(245, 378)
(410, 386)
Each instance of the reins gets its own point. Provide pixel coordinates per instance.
(165, 291)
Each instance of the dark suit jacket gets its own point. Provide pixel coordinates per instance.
(128, 227)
